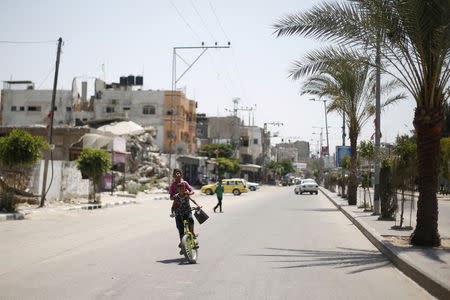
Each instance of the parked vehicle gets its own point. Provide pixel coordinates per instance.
(252, 186)
(233, 185)
(307, 185)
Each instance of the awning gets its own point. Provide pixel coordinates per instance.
(194, 160)
(250, 167)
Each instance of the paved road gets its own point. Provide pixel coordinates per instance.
(269, 244)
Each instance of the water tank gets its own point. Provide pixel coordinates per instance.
(139, 80)
(123, 80)
(130, 80)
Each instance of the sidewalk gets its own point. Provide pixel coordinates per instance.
(429, 267)
(107, 200)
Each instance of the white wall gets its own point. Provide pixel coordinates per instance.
(135, 101)
(66, 184)
(40, 98)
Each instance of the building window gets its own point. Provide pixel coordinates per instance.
(255, 141)
(126, 108)
(22, 108)
(13, 108)
(34, 108)
(199, 132)
(244, 141)
(68, 108)
(169, 112)
(109, 110)
(148, 110)
(170, 134)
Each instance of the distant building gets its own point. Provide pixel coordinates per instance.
(179, 123)
(171, 113)
(250, 146)
(201, 130)
(297, 151)
(22, 105)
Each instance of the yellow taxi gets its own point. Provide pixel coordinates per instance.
(233, 185)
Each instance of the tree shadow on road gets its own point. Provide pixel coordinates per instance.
(363, 260)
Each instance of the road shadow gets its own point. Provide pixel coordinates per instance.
(401, 244)
(363, 260)
(180, 261)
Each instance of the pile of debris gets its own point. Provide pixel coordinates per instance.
(147, 170)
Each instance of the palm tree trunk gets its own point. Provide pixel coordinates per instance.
(428, 124)
(353, 180)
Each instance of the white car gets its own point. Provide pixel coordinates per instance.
(307, 185)
(252, 186)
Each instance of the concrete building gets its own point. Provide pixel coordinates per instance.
(201, 130)
(179, 123)
(22, 105)
(118, 102)
(224, 130)
(297, 151)
(250, 147)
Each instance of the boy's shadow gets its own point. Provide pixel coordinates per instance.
(180, 261)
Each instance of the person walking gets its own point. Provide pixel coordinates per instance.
(219, 193)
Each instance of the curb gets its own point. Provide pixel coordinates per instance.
(21, 215)
(425, 280)
(11, 217)
(106, 205)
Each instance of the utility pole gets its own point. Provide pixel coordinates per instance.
(266, 145)
(50, 130)
(326, 124)
(235, 123)
(175, 79)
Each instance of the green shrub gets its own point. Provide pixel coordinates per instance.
(93, 163)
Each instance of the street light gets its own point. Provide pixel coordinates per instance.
(326, 123)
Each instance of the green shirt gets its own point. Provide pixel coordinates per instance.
(219, 191)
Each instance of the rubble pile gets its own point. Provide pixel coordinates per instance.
(149, 171)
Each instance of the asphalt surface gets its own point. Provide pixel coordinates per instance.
(268, 244)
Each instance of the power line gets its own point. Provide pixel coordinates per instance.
(185, 21)
(202, 20)
(27, 42)
(218, 20)
(232, 50)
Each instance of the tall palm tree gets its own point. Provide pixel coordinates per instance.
(414, 40)
(348, 82)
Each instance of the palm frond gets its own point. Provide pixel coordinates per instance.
(333, 21)
(321, 59)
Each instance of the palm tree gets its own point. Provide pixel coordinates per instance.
(349, 84)
(414, 40)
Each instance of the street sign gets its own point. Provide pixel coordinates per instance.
(341, 152)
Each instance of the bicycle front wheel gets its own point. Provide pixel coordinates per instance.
(187, 245)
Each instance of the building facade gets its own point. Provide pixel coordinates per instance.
(27, 106)
(22, 105)
(179, 123)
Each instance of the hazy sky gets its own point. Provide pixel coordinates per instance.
(137, 37)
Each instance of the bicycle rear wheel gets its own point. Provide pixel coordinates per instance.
(187, 245)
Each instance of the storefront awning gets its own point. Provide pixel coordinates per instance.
(250, 167)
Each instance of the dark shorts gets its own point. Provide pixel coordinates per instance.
(180, 224)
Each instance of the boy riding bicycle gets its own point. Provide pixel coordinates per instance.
(181, 210)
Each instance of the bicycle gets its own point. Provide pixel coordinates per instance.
(189, 247)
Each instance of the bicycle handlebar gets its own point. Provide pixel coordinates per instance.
(178, 213)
